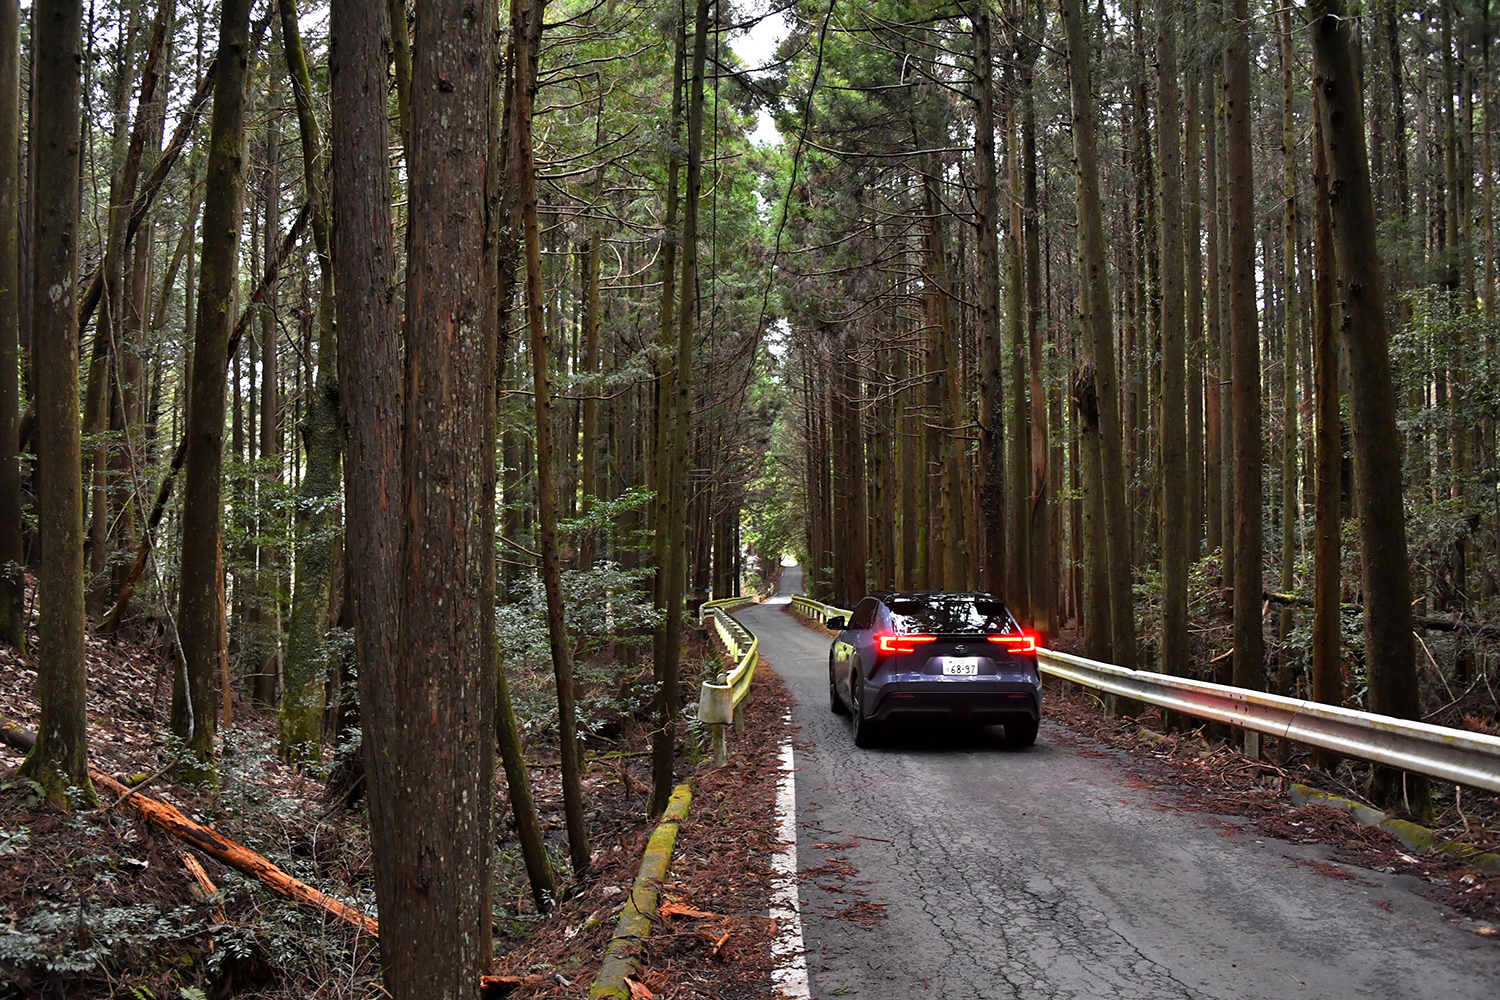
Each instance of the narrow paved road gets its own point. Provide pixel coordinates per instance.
(1041, 873)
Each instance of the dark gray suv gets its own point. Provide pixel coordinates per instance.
(937, 656)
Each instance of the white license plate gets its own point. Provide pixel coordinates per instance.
(960, 668)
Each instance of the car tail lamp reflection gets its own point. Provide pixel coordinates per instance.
(891, 644)
(1023, 643)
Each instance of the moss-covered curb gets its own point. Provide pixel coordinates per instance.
(1416, 838)
(635, 920)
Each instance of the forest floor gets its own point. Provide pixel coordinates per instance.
(100, 904)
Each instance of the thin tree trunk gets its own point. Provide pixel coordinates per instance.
(1286, 673)
(1327, 658)
(1043, 589)
(665, 646)
(992, 436)
(197, 615)
(503, 223)
(1196, 359)
(663, 756)
(1214, 362)
(526, 30)
(1249, 641)
(1390, 656)
(1175, 523)
(1018, 460)
(304, 691)
(1094, 278)
(12, 573)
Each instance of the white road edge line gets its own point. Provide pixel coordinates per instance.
(790, 974)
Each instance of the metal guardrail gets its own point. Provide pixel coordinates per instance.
(722, 703)
(1456, 755)
(724, 602)
(810, 608)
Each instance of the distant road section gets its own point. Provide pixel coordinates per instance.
(791, 581)
(946, 866)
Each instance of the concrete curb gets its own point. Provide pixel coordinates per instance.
(1416, 838)
(620, 959)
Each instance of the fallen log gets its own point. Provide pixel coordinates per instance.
(218, 847)
(1430, 622)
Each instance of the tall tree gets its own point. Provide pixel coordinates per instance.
(987, 213)
(59, 759)
(1249, 641)
(1175, 524)
(665, 738)
(447, 667)
(526, 34)
(198, 599)
(1098, 319)
(306, 653)
(1390, 655)
(1327, 641)
(12, 575)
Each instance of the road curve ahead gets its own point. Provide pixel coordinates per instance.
(946, 866)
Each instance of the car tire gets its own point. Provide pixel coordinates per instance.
(1021, 734)
(866, 731)
(835, 703)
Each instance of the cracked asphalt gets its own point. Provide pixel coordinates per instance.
(1042, 873)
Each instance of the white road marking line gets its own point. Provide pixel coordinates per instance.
(790, 974)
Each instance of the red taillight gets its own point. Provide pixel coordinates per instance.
(1022, 643)
(889, 644)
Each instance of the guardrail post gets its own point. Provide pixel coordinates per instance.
(721, 752)
(739, 718)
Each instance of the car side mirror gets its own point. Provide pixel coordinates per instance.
(837, 623)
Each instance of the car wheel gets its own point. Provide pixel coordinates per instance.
(835, 703)
(1021, 734)
(866, 731)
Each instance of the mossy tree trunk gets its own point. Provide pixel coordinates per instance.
(59, 760)
(198, 599)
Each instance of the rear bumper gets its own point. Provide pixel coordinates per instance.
(979, 702)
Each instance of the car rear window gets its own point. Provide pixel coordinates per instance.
(951, 614)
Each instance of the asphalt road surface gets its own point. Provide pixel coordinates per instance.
(981, 872)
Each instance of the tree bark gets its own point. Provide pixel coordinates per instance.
(12, 573)
(197, 614)
(60, 758)
(1214, 363)
(1249, 641)
(1327, 658)
(1043, 588)
(1390, 656)
(665, 646)
(370, 363)
(1291, 311)
(526, 30)
(1094, 279)
(446, 666)
(1175, 523)
(306, 666)
(987, 212)
(664, 743)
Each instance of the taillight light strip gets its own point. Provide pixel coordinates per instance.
(1016, 643)
(888, 644)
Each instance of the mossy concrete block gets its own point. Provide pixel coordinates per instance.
(1304, 795)
(1414, 836)
(621, 959)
